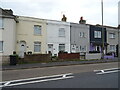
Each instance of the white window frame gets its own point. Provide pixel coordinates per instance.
(97, 34)
(37, 30)
(82, 34)
(112, 48)
(63, 47)
(37, 45)
(112, 35)
(61, 32)
(82, 48)
(1, 46)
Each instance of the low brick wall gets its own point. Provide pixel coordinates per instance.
(37, 57)
(69, 55)
(4, 59)
(93, 56)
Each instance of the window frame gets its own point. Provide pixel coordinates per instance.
(37, 44)
(61, 45)
(61, 32)
(97, 34)
(112, 35)
(112, 47)
(1, 46)
(83, 48)
(40, 30)
(82, 34)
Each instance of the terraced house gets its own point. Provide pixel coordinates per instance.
(7, 34)
(79, 38)
(31, 35)
(112, 40)
(28, 35)
(58, 37)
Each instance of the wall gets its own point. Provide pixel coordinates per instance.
(37, 57)
(93, 56)
(8, 36)
(53, 35)
(25, 32)
(75, 36)
(69, 56)
(113, 41)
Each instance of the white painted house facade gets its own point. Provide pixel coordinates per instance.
(7, 33)
(58, 37)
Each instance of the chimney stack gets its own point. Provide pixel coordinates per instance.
(64, 18)
(82, 21)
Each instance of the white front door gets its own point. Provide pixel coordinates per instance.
(22, 49)
(50, 48)
(73, 48)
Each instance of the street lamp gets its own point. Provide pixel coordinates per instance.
(102, 31)
(118, 42)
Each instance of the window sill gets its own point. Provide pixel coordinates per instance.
(111, 38)
(62, 36)
(1, 51)
(37, 34)
(2, 28)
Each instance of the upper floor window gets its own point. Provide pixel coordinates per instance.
(37, 46)
(1, 23)
(112, 47)
(1, 46)
(61, 32)
(97, 34)
(82, 34)
(37, 30)
(111, 35)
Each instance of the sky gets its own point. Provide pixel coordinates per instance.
(73, 10)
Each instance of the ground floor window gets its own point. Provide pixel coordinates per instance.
(82, 48)
(61, 47)
(112, 47)
(1, 46)
(37, 46)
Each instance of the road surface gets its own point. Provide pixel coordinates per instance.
(103, 75)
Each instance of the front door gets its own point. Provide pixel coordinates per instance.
(22, 49)
(73, 48)
(50, 48)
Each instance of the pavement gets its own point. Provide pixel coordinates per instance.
(51, 64)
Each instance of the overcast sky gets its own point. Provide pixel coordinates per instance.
(73, 9)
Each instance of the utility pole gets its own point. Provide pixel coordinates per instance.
(118, 42)
(102, 31)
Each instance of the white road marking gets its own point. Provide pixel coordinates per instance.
(106, 71)
(7, 83)
(37, 78)
(102, 71)
(24, 81)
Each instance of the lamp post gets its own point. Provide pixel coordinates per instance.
(102, 31)
(118, 42)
